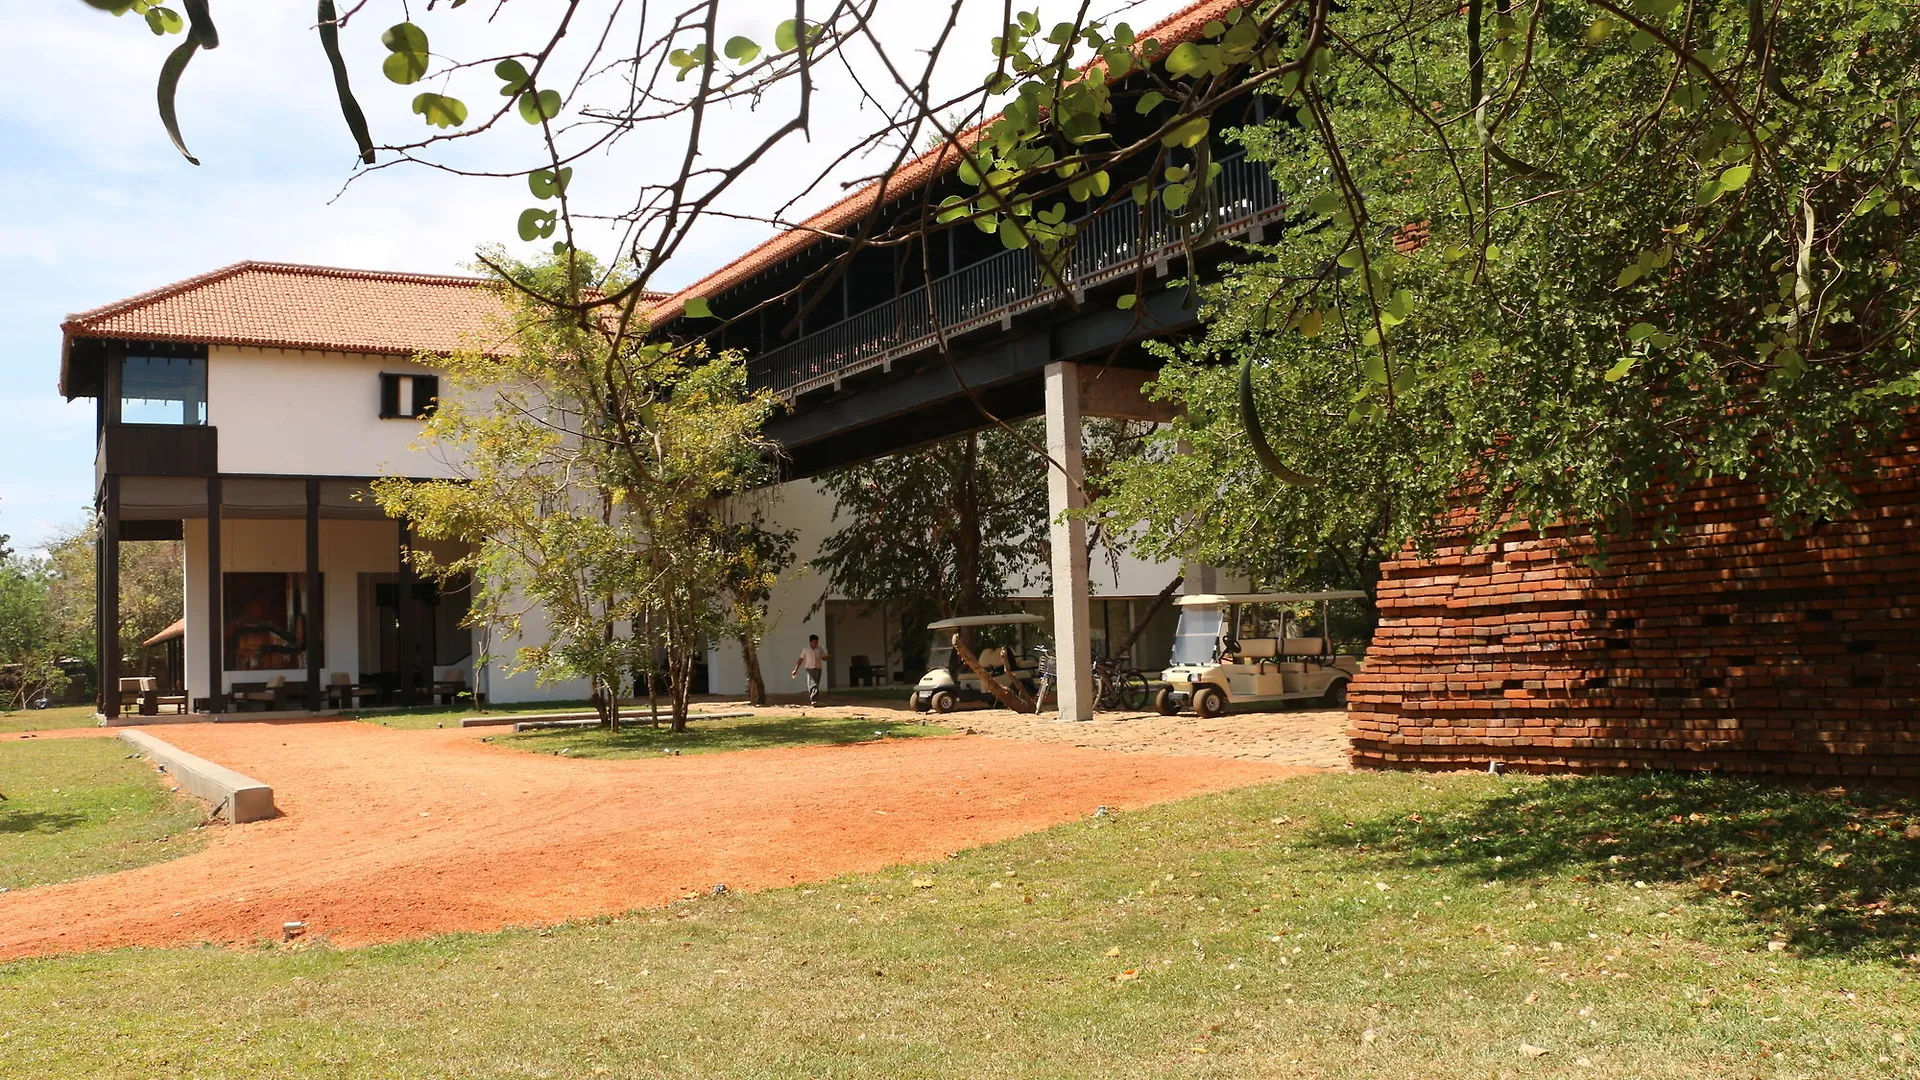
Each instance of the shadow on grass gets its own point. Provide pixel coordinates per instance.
(40, 821)
(1836, 867)
(755, 734)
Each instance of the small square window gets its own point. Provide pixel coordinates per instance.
(408, 397)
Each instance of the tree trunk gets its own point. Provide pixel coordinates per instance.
(756, 682)
(680, 679)
(1009, 695)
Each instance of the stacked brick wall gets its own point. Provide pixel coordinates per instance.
(1732, 646)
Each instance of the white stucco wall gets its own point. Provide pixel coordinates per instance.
(296, 413)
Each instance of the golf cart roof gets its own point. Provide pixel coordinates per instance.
(986, 620)
(1217, 599)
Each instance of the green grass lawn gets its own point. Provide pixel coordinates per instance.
(66, 716)
(714, 736)
(1340, 926)
(78, 807)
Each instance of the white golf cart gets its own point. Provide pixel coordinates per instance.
(950, 681)
(1213, 665)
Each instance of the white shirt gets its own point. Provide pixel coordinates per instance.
(811, 656)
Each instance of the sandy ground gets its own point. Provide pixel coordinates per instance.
(387, 835)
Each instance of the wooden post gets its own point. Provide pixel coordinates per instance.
(109, 630)
(403, 611)
(316, 602)
(216, 618)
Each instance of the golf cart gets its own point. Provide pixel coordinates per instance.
(950, 681)
(1213, 666)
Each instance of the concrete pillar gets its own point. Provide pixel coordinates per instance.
(1072, 616)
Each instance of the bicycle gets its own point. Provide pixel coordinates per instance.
(1119, 686)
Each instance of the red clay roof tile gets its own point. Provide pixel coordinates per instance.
(291, 306)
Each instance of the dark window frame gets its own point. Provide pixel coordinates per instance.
(422, 391)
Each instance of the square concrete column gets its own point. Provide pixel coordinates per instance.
(1066, 473)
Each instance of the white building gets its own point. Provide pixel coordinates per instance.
(246, 410)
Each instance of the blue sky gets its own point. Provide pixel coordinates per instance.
(95, 205)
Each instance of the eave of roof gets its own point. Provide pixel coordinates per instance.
(1182, 26)
(277, 305)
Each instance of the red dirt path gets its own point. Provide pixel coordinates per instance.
(387, 835)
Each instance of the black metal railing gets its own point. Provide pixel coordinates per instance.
(1107, 245)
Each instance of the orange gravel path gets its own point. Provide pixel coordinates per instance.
(387, 835)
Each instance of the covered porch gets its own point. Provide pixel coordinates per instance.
(298, 596)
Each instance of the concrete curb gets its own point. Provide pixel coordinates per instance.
(581, 719)
(237, 798)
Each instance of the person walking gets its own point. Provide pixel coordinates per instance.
(814, 659)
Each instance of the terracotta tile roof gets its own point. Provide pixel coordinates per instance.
(1184, 25)
(290, 306)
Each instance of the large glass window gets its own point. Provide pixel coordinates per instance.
(266, 617)
(163, 390)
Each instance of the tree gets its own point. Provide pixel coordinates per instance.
(1611, 251)
(590, 465)
(757, 556)
(28, 662)
(152, 593)
(939, 531)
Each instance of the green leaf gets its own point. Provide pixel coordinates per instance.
(1012, 236)
(1642, 331)
(537, 224)
(1374, 365)
(696, 307)
(405, 68)
(544, 105)
(968, 174)
(1634, 272)
(1327, 202)
(164, 21)
(170, 69)
(1185, 59)
(329, 32)
(1736, 177)
(440, 111)
(1621, 367)
(741, 50)
(1310, 324)
(404, 38)
(545, 183)
(1149, 101)
(1126, 302)
(514, 74)
(1187, 133)
(786, 36)
(1175, 196)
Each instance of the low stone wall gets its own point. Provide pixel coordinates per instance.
(237, 798)
(1730, 647)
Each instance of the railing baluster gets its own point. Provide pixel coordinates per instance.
(1107, 242)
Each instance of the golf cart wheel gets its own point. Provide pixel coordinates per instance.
(914, 702)
(1336, 695)
(1208, 702)
(943, 701)
(1163, 703)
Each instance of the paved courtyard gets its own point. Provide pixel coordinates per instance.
(1316, 738)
